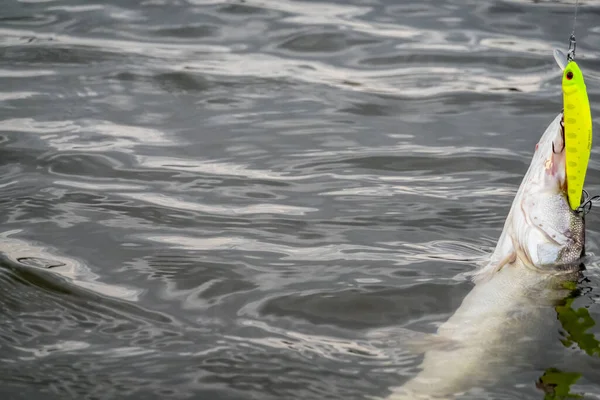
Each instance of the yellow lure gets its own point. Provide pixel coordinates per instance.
(578, 131)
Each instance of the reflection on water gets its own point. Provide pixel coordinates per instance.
(576, 323)
(556, 384)
(222, 199)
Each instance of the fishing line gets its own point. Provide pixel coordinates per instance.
(575, 16)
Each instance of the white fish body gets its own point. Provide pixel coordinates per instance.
(493, 330)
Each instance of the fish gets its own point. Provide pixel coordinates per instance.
(538, 256)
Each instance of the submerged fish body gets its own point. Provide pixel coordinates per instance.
(494, 330)
(493, 334)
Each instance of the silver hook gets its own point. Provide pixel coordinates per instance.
(572, 46)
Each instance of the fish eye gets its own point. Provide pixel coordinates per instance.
(570, 75)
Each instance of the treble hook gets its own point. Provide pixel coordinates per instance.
(562, 127)
(557, 152)
(586, 203)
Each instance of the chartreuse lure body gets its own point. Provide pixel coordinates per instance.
(578, 130)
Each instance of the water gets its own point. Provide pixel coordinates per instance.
(219, 199)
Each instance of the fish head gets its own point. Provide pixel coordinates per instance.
(541, 230)
(544, 230)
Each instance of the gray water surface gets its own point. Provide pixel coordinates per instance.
(214, 199)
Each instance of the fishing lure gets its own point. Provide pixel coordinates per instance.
(578, 130)
(577, 119)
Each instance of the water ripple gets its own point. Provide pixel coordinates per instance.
(226, 198)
